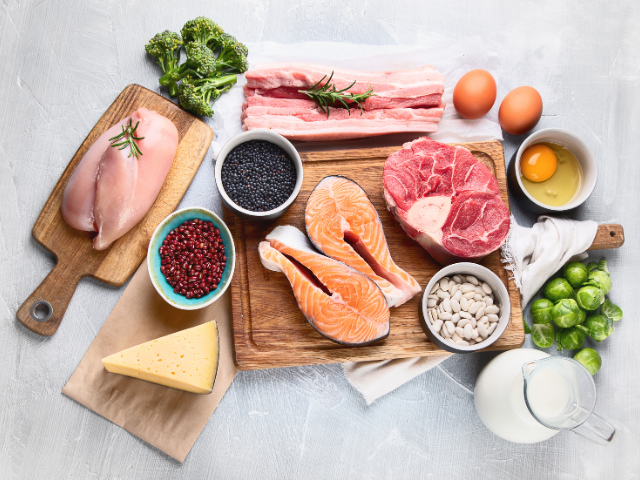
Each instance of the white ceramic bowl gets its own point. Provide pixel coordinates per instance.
(577, 146)
(501, 299)
(269, 136)
(158, 279)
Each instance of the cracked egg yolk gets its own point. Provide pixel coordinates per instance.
(538, 163)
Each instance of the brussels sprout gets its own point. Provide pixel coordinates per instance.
(582, 316)
(575, 273)
(602, 265)
(565, 312)
(590, 359)
(600, 279)
(557, 289)
(570, 338)
(597, 327)
(589, 297)
(527, 328)
(541, 311)
(542, 334)
(611, 311)
(592, 266)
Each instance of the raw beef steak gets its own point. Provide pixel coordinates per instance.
(446, 200)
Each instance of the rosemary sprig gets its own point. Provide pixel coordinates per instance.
(327, 96)
(128, 134)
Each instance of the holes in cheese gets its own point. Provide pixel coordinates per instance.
(186, 360)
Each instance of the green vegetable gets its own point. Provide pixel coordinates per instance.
(575, 273)
(570, 338)
(602, 265)
(527, 328)
(127, 138)
(202, 30)
(542, 334)
(165, 47)
(582, 316)
(541, 311)
(589, 297)
(557, 289)
(213, 60)
(600, 279)
(597, 327)
(592, 266)
(590, 359)
(611, 311)
(195, 95)
(565, 313)
(326, 95)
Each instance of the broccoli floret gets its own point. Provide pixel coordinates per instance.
(201, 62)
(202, 30)
(165, 47)
(194, 95)
(233, 55)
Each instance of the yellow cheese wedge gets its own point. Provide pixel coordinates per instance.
(186, 360)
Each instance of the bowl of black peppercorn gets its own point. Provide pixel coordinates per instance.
(258, 174)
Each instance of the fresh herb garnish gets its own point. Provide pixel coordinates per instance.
(327, 96)
(128, 134)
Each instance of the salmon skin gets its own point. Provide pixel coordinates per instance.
(342, 223)
(340, 303)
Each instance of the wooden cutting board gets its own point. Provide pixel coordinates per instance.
(269, 329)
(73, 249)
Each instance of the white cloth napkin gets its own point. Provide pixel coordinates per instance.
(531, 254)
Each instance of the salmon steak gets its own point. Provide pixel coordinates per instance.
(342, 223)
(340, 303)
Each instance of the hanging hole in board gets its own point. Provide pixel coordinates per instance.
(612, 233)
(41, 311)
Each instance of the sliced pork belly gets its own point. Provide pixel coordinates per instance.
(110, 193)
(446, 200)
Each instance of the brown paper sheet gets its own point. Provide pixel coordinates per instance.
(168, 419)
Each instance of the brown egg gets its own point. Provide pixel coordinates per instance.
(520, 110)
(474, 94)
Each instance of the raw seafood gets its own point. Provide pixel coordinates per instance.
(110, 192)
(342, 223)
(403, 101)
(446, 200)
(340, 303)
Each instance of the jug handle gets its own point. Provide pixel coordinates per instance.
(597, 430)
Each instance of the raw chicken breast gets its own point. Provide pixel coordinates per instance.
(110, 192)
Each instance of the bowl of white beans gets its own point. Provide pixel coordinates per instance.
(465, 308)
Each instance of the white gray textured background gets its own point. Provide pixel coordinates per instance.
(63, 63)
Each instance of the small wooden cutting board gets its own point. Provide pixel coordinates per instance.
(269, 328)
(73, 249)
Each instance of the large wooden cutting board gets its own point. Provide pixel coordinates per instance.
(73, 249)
(269, 329)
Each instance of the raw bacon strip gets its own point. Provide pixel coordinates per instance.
(314, 114)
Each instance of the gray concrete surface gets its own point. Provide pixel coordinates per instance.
(62, 63)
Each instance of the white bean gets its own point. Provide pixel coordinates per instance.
(457, 279)
(431, 303)
(442, 294)
(464, 304)
(456, 338)
(454, 288)
(474, 333)
(462, 323)
(462, 343)
(445, 316)
(464, 314)
(468, 288)
(437, 325)
(444, 284)
(484, 319)
(488, 301)
(471, 279)
(455, 305)
(479, 290)
(446, 304)
(492, 328)
(460, 332)
(469, 295)
(450, 327)
(473, 322)
(468, 331)
(486, 288)
(455, 318)
(480, 312)
(482, 330)
(493, 318)
(434, 314)
(473, 308)
(445, 333)
(477, 297)
(433, 297)
(457, 296)
(435, 288)
(472, 342)
(492, 309)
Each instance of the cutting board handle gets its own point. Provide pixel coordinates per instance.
(609, 235)
(42, 312)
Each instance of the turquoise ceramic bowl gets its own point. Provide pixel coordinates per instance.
(159, 281)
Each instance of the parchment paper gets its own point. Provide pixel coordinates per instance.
(168, 419)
